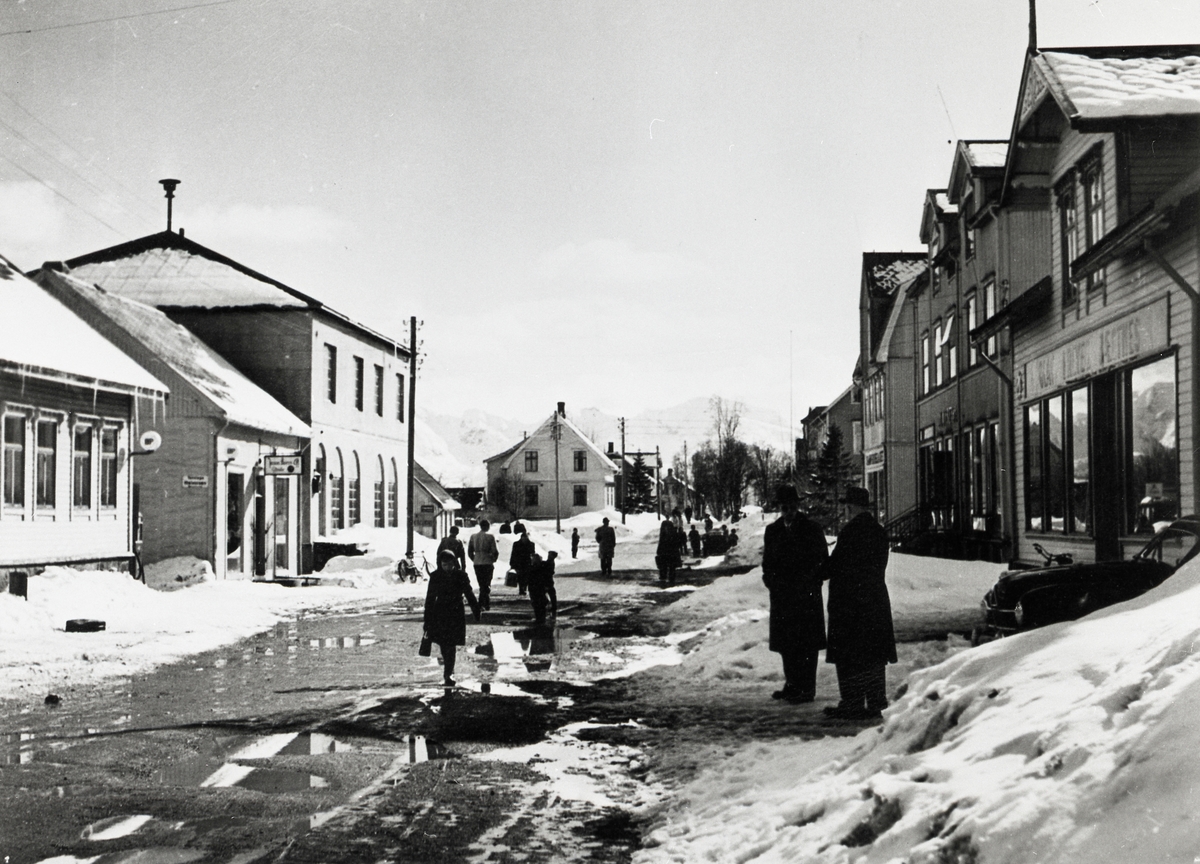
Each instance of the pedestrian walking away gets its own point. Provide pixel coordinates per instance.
(794, 549)
(541, 588)
(574, 542)
(606, 539)
(445, 621)
(521, 559)
(482, 551)
(451, 542)
(694, 539)
(666, 556)
(861, 639)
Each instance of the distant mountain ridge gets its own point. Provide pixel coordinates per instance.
(452, 447)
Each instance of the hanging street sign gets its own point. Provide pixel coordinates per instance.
(281, 464)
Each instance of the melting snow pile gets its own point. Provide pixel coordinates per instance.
(1072, 743)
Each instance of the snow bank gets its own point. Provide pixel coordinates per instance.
(145, 627)
(1060, 745)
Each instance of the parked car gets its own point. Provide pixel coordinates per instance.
(1061, 590)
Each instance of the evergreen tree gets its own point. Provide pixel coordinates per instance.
(639, 489)
(831, 475)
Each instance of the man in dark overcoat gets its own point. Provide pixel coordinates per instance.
(606, 539)
(861, 639)
(794, 549)
(521, 559)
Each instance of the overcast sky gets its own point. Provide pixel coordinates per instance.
(616, 204)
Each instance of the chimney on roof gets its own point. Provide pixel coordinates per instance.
(610, 447)
(169, 185)
(1032, 26)
(562, 409)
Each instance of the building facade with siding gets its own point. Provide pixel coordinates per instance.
(1104, 370)
(209, 492)
(69, 403)
(346, 382)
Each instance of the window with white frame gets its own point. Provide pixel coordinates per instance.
(925, 377)
(81, 467)
(14, 460)
(46, 464)
(939, 369)
(109, 436)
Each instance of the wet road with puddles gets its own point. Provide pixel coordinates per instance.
(328, 739)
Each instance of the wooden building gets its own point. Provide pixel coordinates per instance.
(522, 479)
(69, 405)
(434, 508)
(344, 380)
(1104, 349)
(219, 488)
(886, 372)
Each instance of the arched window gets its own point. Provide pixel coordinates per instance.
(355, 497)
(379, 514)
(393, 500)
(337, 489)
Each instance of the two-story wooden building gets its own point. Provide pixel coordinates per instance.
(523, 479)
(212, 490)
(344, 380)
(1104, 363)
(69, 404)
(886, 350)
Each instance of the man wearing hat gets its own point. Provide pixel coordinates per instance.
(861, 640)
(794, 549)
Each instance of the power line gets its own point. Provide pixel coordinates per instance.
(119, 18)
(76, 204)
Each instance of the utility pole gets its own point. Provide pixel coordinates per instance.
(624, 479)
(686, 491)
(658, 480)
(412, 430)
(555, 433)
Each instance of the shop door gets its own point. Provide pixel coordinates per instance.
(235, 518)
(260, 526)
(281, 533)
(1107, 468)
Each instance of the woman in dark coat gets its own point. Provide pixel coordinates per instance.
(445, 621)
(666, 556)
(861, 639)
(794, 549)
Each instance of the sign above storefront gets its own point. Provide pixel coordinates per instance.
(1139, 334)
(281, 464)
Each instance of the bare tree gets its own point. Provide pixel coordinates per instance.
(507, 494)
(727, 416)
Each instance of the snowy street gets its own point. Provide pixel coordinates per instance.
(326, 736)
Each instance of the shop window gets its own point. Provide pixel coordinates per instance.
(81, 468)
(531, 461)
(46, 464)
(108, 467)
(379, 391)
(400, 398)
(580, 495)
(1057, 469)
(531, 495)
(580, 460)
(1081, 477)
(1034, 481)
(331, 372)
(14, 460)
(1151, 453)
(359, 374)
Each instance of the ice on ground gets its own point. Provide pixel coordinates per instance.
(1067, 744)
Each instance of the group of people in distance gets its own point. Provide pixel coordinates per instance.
(860, 641)
(445, 621)
(674, 542)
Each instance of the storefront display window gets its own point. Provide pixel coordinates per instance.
(1152, 449)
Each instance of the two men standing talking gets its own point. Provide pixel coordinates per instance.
(861, 640)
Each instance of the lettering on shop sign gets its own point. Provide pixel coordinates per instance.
(195, 481)
(1139, 334)
(873, 458)
(428, 508)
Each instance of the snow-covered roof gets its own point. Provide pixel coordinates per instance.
(1100, 84)
(986, 154)
(238, 398)
(41, 337)
(882, 350)
(435, 489)
(169, 270)
(565, 421)
(942, 201)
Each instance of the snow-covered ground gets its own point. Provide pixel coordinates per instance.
(1074, 743)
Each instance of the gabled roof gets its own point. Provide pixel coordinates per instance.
(883, 275)
(1107, 84)
(881, 351)
(435, 489)
(503, 454)
(168, 270)
(135, 326)
(936, 208)
(41, 338)
(511, 453)
(974, 157)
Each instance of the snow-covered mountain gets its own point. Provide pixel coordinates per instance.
(453, 447)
